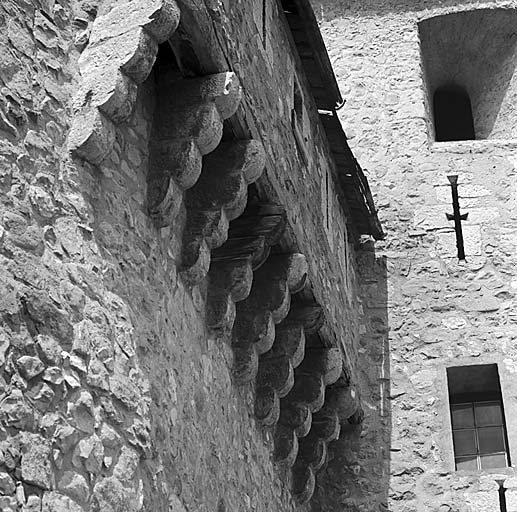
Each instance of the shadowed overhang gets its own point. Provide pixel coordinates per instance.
(355, 196)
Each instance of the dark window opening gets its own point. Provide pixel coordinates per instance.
(477, 416)
(452, 114)
(297, 112)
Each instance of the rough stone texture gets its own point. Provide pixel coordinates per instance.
(114, 396)
(424, 310)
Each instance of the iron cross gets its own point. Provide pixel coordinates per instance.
(457, 217)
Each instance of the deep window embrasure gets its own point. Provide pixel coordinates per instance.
(477, 417)
(469, 60)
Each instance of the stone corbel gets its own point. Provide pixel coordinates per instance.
(120, 55)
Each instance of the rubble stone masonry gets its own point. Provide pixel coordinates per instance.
(439, 312)
(117, 391)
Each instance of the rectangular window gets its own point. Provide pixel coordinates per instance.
(477, 416)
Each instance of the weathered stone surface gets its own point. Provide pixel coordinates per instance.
(90, 283)
(424, 310)
(159, 17)
(75, 486)
(33, 504)
(7, 486)
(109, 495)
(89, 453)
(92, 136)
(35, 462)
(56, 502)
(29, 366)
(127, 465)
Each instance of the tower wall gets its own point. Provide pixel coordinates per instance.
(441, 312)
(114, 394)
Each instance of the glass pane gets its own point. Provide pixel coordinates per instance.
(493, 461)
(462, 416)
(488, 413)
(465, 442)
(491, 439)
(469, 463)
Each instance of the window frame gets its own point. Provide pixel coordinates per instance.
(476, 428)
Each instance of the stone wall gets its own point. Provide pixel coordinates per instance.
(439, 312)
(115, 394)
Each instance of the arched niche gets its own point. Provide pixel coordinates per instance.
(477, 52)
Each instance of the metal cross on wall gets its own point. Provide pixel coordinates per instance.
(457, 217)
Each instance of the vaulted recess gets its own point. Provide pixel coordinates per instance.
(469, 60)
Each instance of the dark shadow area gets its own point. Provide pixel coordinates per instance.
(358, 469)
(452, 114)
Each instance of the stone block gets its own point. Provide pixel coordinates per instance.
(268, 294)
(312, 451)
(286, 446)
(222, 89)
(226, 174)
(245, 363)
(234, 276)
(309, 391)
(309, 315)
(432, 217)
(200, 122)
(325, 362)
(109, 90)
(220, 313)
(109, 495)
(7, 485)
(253, 328)
(511, 500)
(57, 502)
(303, 483)
(195, 261)
(165, 199)
(325, 423)
(446, 242)
(30, 366)
(289, 342)
(91, 136)
(35, 463)
(277, 373)
(179, 160)
(132, 52)
(75, 486)
(486, 215)
(267, 405)
(297, 417)
(160, 19)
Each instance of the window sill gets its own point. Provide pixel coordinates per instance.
(471, 146)
(508, 471)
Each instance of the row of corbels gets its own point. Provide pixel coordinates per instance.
(300, 389)
(195, 178)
